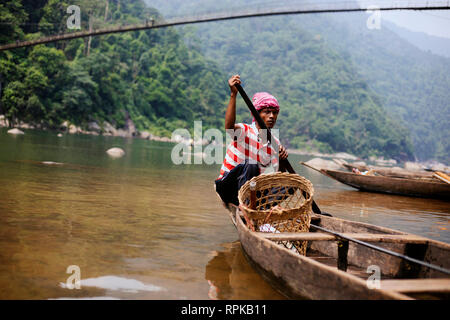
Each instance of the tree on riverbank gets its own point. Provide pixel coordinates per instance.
(153, 76)
(162, 80)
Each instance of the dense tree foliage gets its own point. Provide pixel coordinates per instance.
(410, 84)
(162, 80)
(154, 77)
(326, 105)
(413, 85)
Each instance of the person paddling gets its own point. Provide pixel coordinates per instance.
(249, 153)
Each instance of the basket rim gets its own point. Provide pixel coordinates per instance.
(284, 213)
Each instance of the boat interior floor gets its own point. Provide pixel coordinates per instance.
(410, 287)
(332, 262)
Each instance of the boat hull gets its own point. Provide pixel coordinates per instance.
(392, 185)
(303, 277)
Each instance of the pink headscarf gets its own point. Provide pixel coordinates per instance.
(263, 99)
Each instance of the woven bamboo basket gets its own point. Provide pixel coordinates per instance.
(282, 204)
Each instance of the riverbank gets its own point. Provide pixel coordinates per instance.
(333, 161)
(130, 131)
(92, 128)
(121, 221)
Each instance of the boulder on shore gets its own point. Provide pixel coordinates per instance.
(319, 163)
(94, 127)
(3, 121)
(130, 128)
(413, 166)
(145, 135)
(108, 129)
(65, 125)
(123, 133)
(15, 131)
(343, 155)
(440, 167)
(115, 152)
(73, 129)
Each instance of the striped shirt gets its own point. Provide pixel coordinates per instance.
(247, 145)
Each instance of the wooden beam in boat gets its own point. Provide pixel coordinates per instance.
(416, 285)
(319, 236)
(297, 275)
(293, 236)
(342, 261)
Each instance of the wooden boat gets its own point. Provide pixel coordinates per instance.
(413, 186)
(391, 172)
(416, 187)
(335, 269)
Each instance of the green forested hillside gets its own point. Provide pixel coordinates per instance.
(326, 105)
(413, 85)
(154, 77)
(434, 44)
(410, 84)
(162, 80)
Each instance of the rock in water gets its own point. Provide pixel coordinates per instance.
(15, 131)
(115, 152)
(52, 163)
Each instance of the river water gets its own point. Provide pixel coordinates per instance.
(140, 227)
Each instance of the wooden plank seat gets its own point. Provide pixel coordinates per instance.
(320, 236)
(416, 285)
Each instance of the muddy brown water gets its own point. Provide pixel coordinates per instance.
(140, 227)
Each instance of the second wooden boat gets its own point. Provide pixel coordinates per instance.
(414, 186)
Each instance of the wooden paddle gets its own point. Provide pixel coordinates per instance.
(284, 163)
(442, 176)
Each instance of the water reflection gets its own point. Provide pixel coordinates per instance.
(114, 283)
(230, 276)
(427, 217)
(143, 219)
